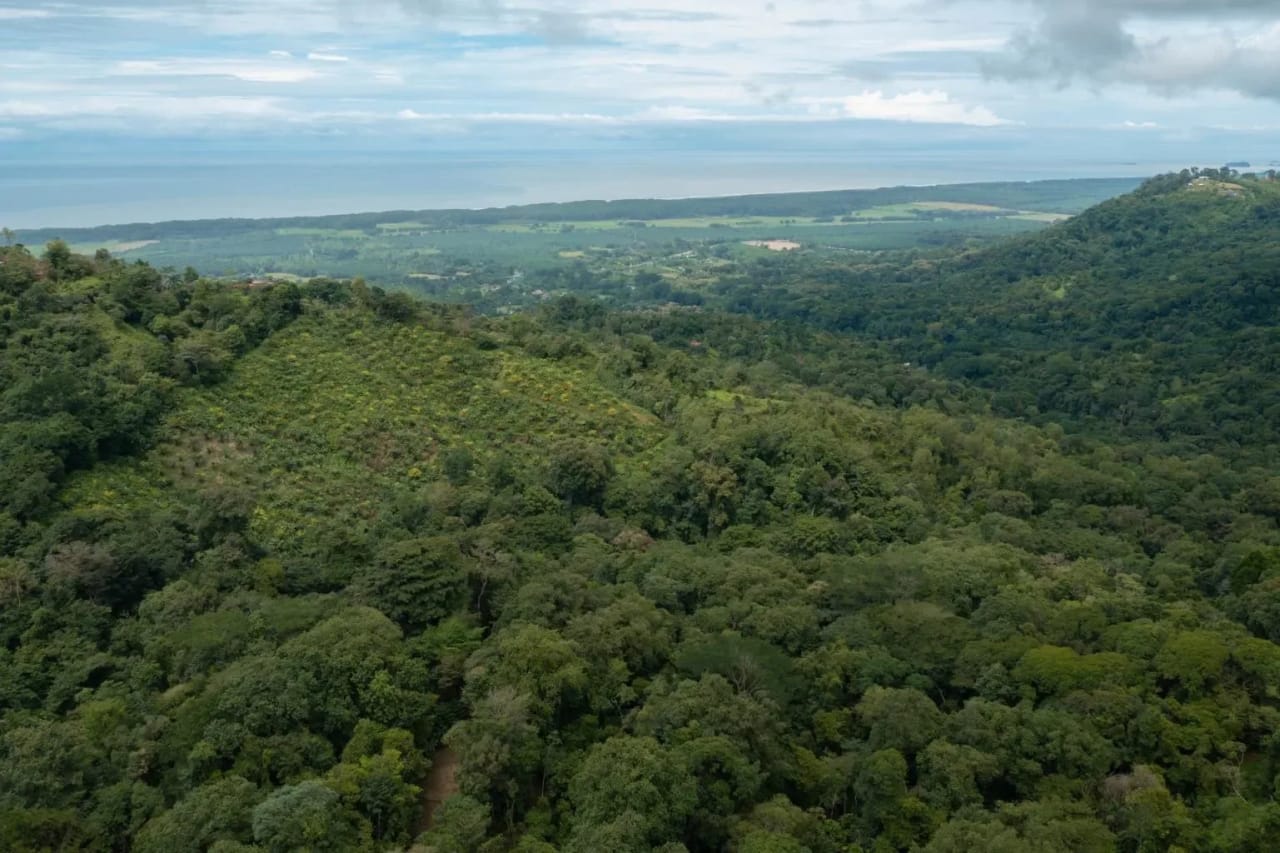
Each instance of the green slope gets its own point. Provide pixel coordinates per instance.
(1150, 315)
(1156, 310)
(335, 414)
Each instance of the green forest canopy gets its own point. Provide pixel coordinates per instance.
(656, 579)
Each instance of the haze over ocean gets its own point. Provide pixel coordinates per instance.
(113, 193)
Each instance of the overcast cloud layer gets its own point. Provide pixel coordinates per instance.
(154, 67)
(1171, 47)
(154, 109)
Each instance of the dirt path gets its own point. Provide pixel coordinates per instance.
(441, 784)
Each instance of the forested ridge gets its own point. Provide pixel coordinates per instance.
(1151, 315)
(943, 552)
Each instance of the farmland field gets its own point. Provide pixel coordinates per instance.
(496, 257)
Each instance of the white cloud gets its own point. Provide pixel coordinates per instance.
(680, 113)
(142, 105)
(921, 106)
(8, 13)
(1168, 46)
(635, 61)
(509, 118)
(248, 71)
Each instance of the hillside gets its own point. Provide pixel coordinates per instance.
(658, 579)
(1166, 300)
(1150, 315)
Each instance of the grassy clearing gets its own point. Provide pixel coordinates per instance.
(403, 226)
(115, 247)
(329, 415)
(915, 210)
(640, 225)
(1034, 216)
(961, 207)
(349, 233)
(886, 211)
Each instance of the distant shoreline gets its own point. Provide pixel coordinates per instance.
(775, 204)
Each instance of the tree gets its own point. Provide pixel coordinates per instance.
(457, 464)
(579, 473)
(779, 826)
(218, 811)
(17, 581)
(752, 666)
(952, 777)
(360, 657)
(306, 816)
(498, 746)
(684, 711)
(46, 765)
(460, 826)
(18, 270)
(57, 255)
(1193, 659)
(1147, 817)
(630, 782)
(1240, 826)
(201, 358)
(887, 810)
(379, 786)
(82, 569)
(631, 629)
(728, 779)
(416, 582)
(533, 661)
(42, 830)
(904, 720)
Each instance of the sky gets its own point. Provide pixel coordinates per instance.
(200, 81)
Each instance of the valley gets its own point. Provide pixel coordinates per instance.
(476, 253)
